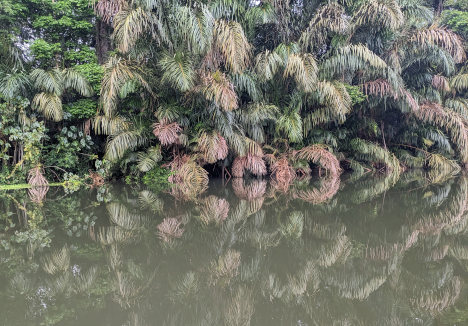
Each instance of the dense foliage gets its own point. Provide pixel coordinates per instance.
(233, 87)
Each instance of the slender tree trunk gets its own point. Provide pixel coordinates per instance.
(438, 7)
(103, 42)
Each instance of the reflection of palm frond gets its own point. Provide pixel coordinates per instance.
(240, 309)
(113, 234)
(120, 215)
(83, 282)
(214, 209)
(169, 229)
(226, 267)
(186, 287)
(150, 200)
(57, 261)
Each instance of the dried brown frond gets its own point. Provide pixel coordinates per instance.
(107, 9)
(256, 165)
(169, 229)
(444, 38)
(238, 166)
(214, 210)
(318, 154)
(410, 100)
(218, 88)
(212, 60)
(379, 87)
(282, 174)
(39, 185)
(382, 88)
(167, 133)
(441, 83)
(188, 177)
(253, 163)
(212, 146)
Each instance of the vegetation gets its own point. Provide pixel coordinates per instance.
(231, 88)
(243, 254)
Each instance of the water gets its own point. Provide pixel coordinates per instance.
(366, 252)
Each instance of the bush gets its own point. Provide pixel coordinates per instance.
(157, 179)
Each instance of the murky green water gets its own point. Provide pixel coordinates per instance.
(352, 253)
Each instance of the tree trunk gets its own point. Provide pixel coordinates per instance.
(438, 7)
(103, 42)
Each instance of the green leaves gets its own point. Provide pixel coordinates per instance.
(52, 84)
(290, 124)
(129, 25)
(381, 13)
(177, 71)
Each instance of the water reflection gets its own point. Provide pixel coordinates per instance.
(371, 251)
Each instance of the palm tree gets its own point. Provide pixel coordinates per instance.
(51, 86)
(328, 79)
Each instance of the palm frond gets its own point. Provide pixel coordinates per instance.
(76, 81)
(328, 20)
(334, 101)
(130, 24)
(177, 71)
(351, 58)
(290, 124)
(49, 104)
(167, 133)
(148, 160)
(459, 82)
(303, 68)
(319, 154)
(117, 72)
(262, 14)
(13, 85)
(195, 28)
(247, 82)
(448, 120)
(440, 83)
(118, 144)
(212, 146)
(255, 116)
(218, 88)
(267, 64)
(459, 105)
(231, 41)
(444, 38)
(50, 81)
(110, 125)
(382, 13)
(373, 153)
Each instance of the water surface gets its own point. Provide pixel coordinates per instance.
(374, 251)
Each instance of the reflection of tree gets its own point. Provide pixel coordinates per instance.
(368, 254)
